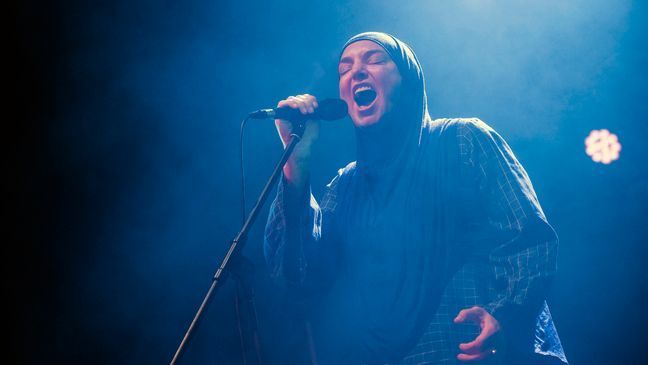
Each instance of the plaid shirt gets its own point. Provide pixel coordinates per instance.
(507, 279)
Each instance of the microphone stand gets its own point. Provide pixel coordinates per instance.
(233, 253)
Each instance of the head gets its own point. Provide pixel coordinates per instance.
(369, 82)
(380, 77)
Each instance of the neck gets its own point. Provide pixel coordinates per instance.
(384, 143)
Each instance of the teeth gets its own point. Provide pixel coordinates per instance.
(362, 88)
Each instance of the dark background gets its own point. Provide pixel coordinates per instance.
(123, 179)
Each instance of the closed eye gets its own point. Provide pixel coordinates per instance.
(376, 57)
(344, 68)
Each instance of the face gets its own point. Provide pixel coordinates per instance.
(369, 80)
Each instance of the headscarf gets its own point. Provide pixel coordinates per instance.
(395, 135)
(393, 220)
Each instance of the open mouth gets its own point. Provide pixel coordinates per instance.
(364, 96)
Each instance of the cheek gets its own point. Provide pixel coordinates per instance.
(392, 86)
(343, 89)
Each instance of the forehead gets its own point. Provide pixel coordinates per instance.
(360, 48)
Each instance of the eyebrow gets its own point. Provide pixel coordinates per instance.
(367, 54)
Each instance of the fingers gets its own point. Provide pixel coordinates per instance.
(473, 314)
(305, 103)
(480, 347)
(477, 344)
(476, 349)
(474, 357)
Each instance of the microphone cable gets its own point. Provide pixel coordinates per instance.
(242, 169)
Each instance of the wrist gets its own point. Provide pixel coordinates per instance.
(295, 176)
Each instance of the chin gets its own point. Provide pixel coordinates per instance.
(368, 117)
(361, 122)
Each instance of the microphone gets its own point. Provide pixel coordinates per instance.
(328, 109)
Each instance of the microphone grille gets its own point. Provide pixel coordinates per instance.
(332, 109)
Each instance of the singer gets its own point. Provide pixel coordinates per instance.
(430, 248)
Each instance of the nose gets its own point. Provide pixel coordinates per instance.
(359, 73)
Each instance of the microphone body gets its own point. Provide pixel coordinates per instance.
(328, 109)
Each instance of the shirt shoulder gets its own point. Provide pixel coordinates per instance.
(463, 129)
(467, 136)
(343, 174)
(461, 125)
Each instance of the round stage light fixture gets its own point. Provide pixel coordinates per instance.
(602, 146)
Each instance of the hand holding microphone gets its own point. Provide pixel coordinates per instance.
(297, 168)
(299, 108)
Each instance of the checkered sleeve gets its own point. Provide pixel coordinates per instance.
(522, 246)
(293, 232)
